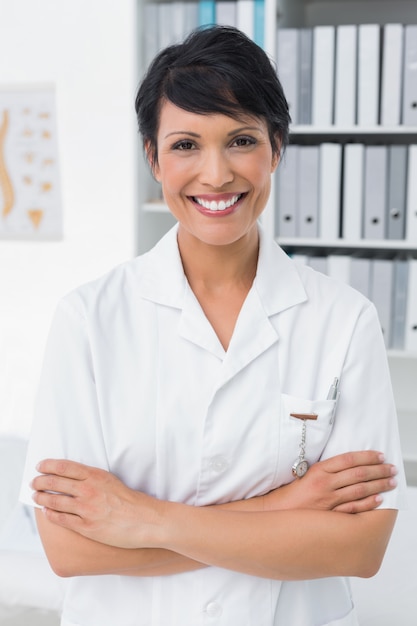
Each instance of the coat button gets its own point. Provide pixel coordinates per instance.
(214, 609)
(219, 464)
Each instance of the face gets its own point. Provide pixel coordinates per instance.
(215, 173)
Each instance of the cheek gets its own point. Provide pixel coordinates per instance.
(261, 177)
(173, 173)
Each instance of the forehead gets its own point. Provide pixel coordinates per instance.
(173, 119)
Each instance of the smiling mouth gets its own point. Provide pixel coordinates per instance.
(221, 205)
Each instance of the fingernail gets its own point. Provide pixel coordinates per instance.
(381, 457)
(394, 471)
(379, 498)
(393, 482)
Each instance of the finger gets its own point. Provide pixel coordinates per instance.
(349, 460)
(63, 467)
(360, 506)
(361, 491)
(55, 501)
(57, 484)
(363, 474)
(65, 520)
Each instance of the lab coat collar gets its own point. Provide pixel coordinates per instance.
(161, 277)
(277, 286)
(277, 282)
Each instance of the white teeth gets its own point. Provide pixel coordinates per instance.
(217, 206)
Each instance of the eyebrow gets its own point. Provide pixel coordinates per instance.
(232, 132)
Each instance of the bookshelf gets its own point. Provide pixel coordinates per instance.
(154, 218)
(309, 14)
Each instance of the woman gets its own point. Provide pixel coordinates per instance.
(202, 401)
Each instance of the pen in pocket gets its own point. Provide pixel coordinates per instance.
(334, 395)
(333, 391)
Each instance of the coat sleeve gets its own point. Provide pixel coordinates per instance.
(66, 422)
(366, 415)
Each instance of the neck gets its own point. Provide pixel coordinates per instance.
(215, 267)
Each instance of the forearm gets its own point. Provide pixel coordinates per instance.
(106, 528)
(285, 545)
(72, 554)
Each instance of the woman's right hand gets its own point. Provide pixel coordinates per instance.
(350, 483)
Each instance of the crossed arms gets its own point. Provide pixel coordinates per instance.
(325, 524)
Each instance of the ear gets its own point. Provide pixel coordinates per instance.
(275, 160)
(150, 157)
(276, 155)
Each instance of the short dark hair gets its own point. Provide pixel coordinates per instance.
(215, 70)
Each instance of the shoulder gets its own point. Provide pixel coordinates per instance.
(154, 274)
(322, 288)
(112, 288)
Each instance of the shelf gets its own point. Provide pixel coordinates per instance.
(309, 129)
(158, 206)
(402, 355)
(341, 245)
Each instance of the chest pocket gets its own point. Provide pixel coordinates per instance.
(316, 435)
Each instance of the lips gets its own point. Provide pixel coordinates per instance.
(218, 205)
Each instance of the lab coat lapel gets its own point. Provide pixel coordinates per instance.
(163, 281)
(195, 327)
(253, 334)
(277, 287)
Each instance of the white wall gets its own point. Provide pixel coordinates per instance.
(87, 48)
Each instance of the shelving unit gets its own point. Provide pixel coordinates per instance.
(154, 218)
(307, 14)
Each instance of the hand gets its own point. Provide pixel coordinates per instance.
(350, 483)
(95, 504)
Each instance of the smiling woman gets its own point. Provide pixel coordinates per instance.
(215, 174)
(178, 391)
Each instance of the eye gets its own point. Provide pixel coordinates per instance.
(184, 144)
(243, 141)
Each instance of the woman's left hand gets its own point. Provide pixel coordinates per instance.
(95, 503)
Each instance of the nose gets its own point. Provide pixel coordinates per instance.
(216, 170)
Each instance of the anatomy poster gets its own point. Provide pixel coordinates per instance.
(30, 198)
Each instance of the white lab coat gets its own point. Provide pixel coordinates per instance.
(136, 381)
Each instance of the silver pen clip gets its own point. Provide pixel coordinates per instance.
(334, 390)
(334, 394)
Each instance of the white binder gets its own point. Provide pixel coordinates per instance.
(245, 17)
(165, 31)
(338, 267)
(392, 74)
(226, 12)
(399, 303)
(360, 275)
(288, 67)
(368, 74)
(375, 192)
(305, 76)
(323, 75)
(352, 203)
(286, 194)
(329, 190)
(382, 281)
(411, 216)
(396, 192)
(308, 191)
(190, 16)
(318, 263)
(410, 340)
(150, 31)
(410, 76)
(346, 75)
